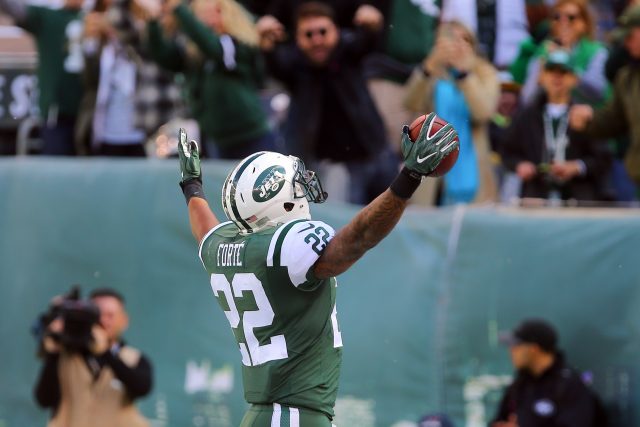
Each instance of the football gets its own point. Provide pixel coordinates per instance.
(447, 163)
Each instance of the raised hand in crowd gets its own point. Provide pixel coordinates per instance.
(438, 59)
(462, 56)
(96, 25)
(148, 9)
(368, 17)
(580, 116)
(451, 51)
(270, 31)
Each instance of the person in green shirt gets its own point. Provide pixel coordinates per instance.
(223, 69)
(272, 269)
(571, 29)
(58, 38)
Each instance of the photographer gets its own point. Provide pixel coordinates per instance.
(90, 377)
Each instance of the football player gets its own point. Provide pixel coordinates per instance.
(273, 269)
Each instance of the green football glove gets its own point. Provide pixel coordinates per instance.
(191, 176)
(189, 158)
(425, 153)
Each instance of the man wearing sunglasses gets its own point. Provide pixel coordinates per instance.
(332, 118)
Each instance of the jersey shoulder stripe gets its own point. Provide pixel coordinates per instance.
(273, 255)
(297, 245)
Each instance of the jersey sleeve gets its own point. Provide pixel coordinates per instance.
(209, 240)
(297, 246)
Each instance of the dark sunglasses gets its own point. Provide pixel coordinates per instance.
(320, 31)
(570, 17)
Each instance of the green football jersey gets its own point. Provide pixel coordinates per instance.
(283, 318)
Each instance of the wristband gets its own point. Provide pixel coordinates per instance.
(192, 188)
(406, 183)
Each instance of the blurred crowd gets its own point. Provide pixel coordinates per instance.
(541, 92)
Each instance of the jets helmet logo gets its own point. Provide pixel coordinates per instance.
(269, 183)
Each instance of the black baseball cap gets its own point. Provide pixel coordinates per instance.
(532, 331)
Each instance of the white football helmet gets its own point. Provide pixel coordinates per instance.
(267, 189)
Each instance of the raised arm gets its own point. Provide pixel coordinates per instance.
(201, 217)
(364, 231)
(379, 217)
(163, 51)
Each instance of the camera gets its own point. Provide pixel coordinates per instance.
(79, 316)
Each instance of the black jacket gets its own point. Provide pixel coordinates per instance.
(525, 141)
(558, 398)
(343, 76)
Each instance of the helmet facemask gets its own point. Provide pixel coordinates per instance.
(309, 183)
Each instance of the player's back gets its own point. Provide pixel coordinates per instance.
(283, 318)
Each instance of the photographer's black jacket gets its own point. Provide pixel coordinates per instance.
(557, 398)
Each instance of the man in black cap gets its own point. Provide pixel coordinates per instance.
(545, 392)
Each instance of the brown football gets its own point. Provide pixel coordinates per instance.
(447, 163)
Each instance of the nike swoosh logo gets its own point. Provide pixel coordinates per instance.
(422, 159)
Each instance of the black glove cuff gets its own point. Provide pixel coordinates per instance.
(192, 188)
(406, 183)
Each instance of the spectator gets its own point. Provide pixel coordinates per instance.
(332, 117)
(551, 161)
(508, 105)
(618, 55)
(111, 70)
(224, 72)
(95, 383)
(58, 36)
(409, 37)
(500, 26)
(545, 392)
(157, 96)
(621, 114)
(463, 88)
(571, 30)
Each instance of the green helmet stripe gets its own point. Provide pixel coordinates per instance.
(232, 195)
